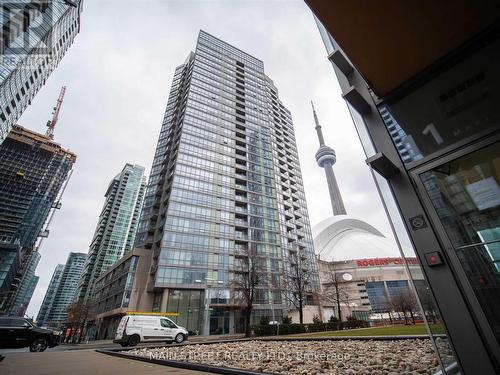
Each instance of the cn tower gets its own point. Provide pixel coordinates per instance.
(326, 158)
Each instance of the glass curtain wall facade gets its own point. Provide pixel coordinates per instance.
(380, 293)
(225, 183)
(57, 315)
(34, 36)
(33, 171)
(114, 290)
(48, 299)
(442, 136)
(9, 265)
(29, 280)
(116, 228)
(463, 193)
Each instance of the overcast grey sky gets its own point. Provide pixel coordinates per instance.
(118, 73)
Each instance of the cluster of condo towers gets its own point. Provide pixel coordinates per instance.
(225, 179)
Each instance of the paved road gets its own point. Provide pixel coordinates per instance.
(67, 347)
(82, 359)
(84, 362)
(108, 344)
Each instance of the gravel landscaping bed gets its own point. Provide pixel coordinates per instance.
(308, 357)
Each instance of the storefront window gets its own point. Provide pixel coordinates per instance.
(189, 305)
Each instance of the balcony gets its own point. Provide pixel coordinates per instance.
(240, 183)
(242, 209)
(241, 235)
(241, 173)
(241, 248)
(241, 197)
(241, 222)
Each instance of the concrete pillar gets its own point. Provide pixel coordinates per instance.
(164, 300)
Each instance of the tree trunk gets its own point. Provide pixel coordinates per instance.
(248, 315)
(72, 334)
(430, 314)
(301, 312)
(340, 311)
(406, 318)
(412, 316)
(80, 336)
(337, 295)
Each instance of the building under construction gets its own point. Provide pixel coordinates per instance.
(33, 172)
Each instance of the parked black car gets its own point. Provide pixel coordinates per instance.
(21, 333)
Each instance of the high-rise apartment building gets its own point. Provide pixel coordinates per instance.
(33, 172)
(9, 265)
(63, 291)
(225, 185)
(116, 228)
(34, 36)
(48, 299)
(22, 296)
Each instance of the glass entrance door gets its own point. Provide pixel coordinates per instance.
(464, 197)
(219, 322)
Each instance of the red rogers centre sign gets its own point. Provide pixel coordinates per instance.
(374, 262)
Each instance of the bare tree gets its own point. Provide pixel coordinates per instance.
(397, 302)
(245, 282)
(387, 308)
(427, 302)
(298, 282)
(335, 289)
(404, 302)
(411, 304)
(78, 314)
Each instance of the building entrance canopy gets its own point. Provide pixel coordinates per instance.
(389, 44)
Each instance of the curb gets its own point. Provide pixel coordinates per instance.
(326, 338)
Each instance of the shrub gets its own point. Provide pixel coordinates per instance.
(288, 329)
(354, 323)
(287, 320)
(264, 330)
(333, 319)
(317, 319)
(293, 328)
(332, 326)
(316, 327)
(264, 320)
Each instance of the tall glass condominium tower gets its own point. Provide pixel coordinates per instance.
(33, 172)
(61, 291)
(225, 184)
(50, 294)
(26, 287)
(116, 228)
(34, 36)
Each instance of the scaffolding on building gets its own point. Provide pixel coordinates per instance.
(34, 173)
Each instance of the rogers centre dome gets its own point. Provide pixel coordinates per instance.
(344, 237)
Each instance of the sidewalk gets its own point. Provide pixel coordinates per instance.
(81, 363)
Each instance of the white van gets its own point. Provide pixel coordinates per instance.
(134, 329)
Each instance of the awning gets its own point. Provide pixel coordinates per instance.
(392, 42)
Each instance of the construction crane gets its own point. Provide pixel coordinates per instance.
(51, 124)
